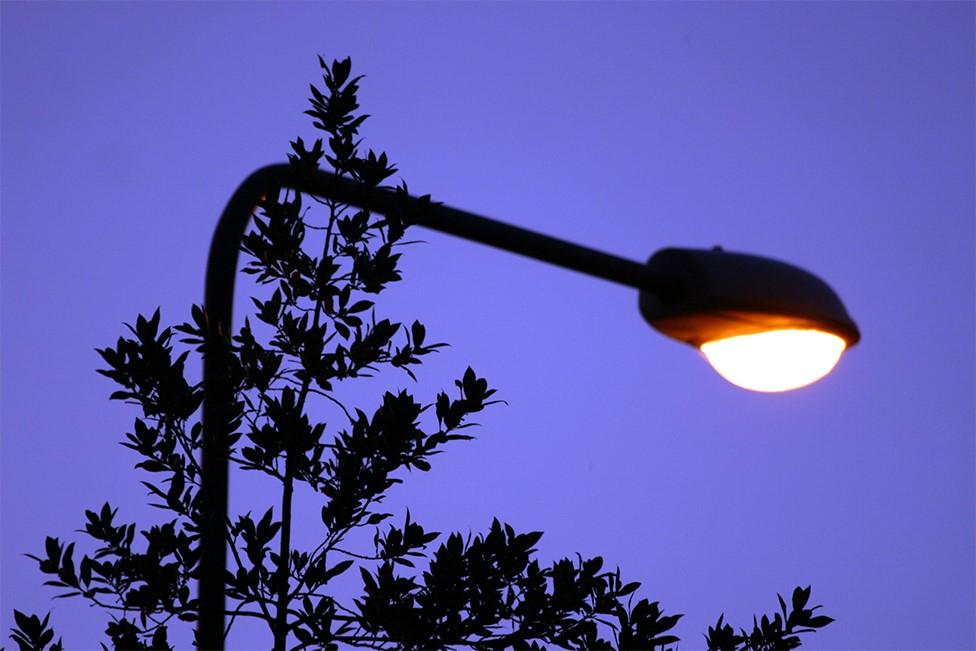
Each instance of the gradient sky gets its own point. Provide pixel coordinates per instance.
(836, 136)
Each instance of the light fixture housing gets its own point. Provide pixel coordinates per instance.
(703, 296)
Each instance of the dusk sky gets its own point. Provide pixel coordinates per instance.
(835, 136)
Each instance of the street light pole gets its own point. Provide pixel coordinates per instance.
(764, 325)
(218, 301)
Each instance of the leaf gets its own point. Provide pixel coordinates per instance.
(800, 597)
(368, 580)
(376, 518)
(340, 71)
(627, 589)
(819, 621)
(419, 332)
(336, 570)
(23, 621)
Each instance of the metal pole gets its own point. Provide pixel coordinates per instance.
(218, 301)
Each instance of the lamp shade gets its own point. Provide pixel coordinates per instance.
(763, 324)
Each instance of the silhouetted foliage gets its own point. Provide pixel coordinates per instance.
(780, 632)
(419, 589)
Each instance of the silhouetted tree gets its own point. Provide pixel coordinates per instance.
(419, 590)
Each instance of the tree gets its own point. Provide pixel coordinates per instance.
(318, 328)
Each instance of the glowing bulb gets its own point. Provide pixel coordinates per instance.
(776, 360)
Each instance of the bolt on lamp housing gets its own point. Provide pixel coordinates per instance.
(762, 324)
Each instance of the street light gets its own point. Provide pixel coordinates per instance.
(762, 324)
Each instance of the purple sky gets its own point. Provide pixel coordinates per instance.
(836, 136)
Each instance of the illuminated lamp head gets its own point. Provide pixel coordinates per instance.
(762, 324)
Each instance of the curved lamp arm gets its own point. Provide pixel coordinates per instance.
(219, 298)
